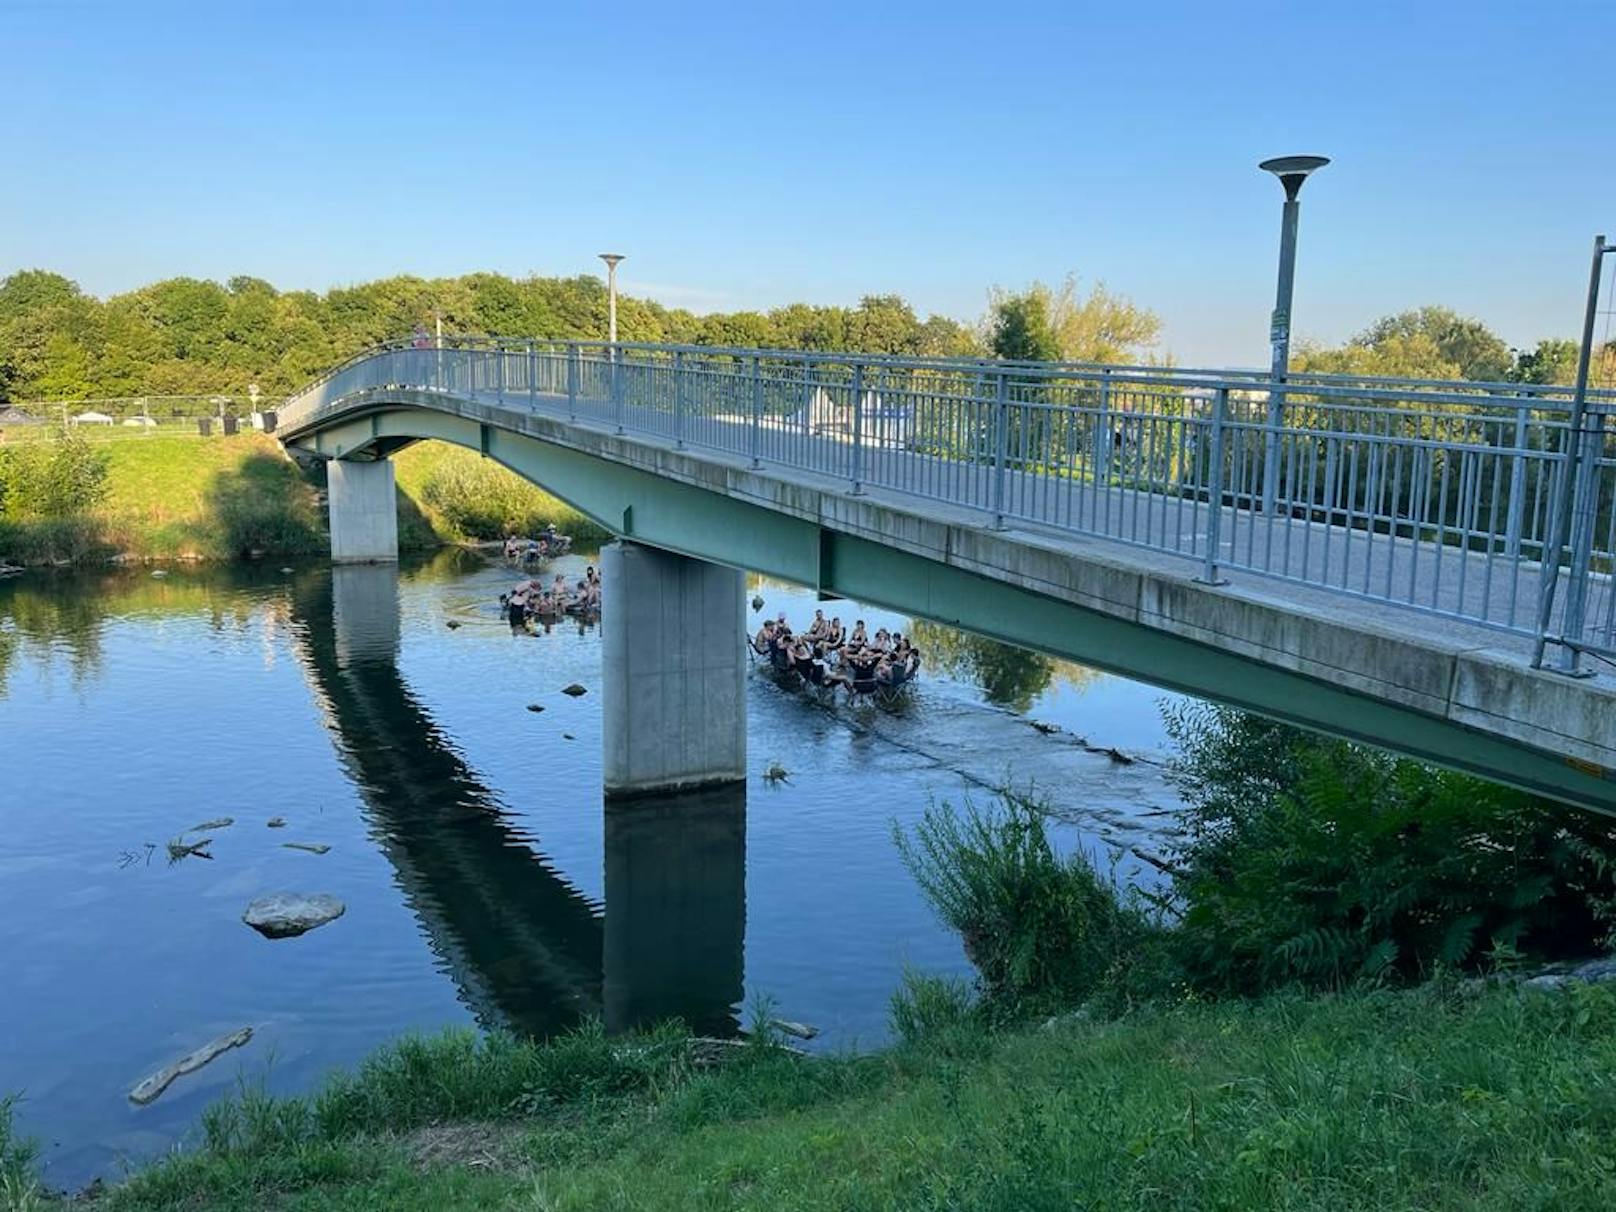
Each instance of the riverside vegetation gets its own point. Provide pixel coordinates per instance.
(1321, 1011)
(70, 496)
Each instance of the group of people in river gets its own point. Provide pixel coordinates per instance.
(826, 655)
(532, 602)
(547, 546)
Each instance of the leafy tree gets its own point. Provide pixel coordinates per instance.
(1019, 328)
(1424, 343)
(1552, 360)
(1066, 325)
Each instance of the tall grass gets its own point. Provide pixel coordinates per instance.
(1043, 930)
(19, 1191)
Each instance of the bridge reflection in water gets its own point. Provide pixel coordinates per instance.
(526, 949)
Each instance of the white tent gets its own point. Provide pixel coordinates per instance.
(92, 418)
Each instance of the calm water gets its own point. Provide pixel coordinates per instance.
(484, 879)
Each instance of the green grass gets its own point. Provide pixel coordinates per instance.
(180, 496)
(1430, 1098)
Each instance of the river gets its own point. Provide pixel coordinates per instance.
(484, 880)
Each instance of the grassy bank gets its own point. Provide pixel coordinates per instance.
(181, 496)
(464, 497)
(1429, 1098)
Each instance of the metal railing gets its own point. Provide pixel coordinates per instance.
(1437, 496)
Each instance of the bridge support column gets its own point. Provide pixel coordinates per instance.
(674, 709)
(364, 512)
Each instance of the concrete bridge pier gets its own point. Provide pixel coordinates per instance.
(364, 511)
(673, 671)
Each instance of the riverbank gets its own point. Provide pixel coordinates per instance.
(184, 497)
(1442, 1096)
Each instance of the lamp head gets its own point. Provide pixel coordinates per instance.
(612, 259)
(1293, 170)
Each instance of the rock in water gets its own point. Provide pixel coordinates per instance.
(311, 847)
(148, 1090)
(535, 707)
(452, 625)
(289, 914)
(276, 822)
(223, 822)
(574, 690)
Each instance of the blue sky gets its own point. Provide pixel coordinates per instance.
(744, 157)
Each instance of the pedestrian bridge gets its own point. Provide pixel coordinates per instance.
(1380, 560)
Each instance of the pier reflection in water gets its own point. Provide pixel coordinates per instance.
(527, 950)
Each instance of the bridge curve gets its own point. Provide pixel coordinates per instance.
(1097, 527)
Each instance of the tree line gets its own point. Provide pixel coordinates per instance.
(186, 336)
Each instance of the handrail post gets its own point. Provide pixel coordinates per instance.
(1103, 471)
(617, 388)
(757, 407)
(1517, 483)
(499, 365)
(858, 429)
(1275, 424)
(678, 399)
(1568, 500)
(1214, 494)
(532, 374)
(572, 380)
(1585, 493)
(1001, 442)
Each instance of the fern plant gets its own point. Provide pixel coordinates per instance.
(1315, 861)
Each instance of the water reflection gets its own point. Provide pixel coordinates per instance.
(676, 909)
(526, 949)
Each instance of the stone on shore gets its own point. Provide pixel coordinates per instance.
(289, 914)
(153, 1086)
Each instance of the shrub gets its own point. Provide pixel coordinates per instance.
(1041, 930)
(1322, 862)
(60, 479)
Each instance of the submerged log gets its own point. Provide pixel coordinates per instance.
(149, 1090)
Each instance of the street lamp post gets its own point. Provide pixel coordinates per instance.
(1291, 171)
(611, 260)
(616, 384)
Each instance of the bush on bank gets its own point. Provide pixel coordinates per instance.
(1321, 862)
